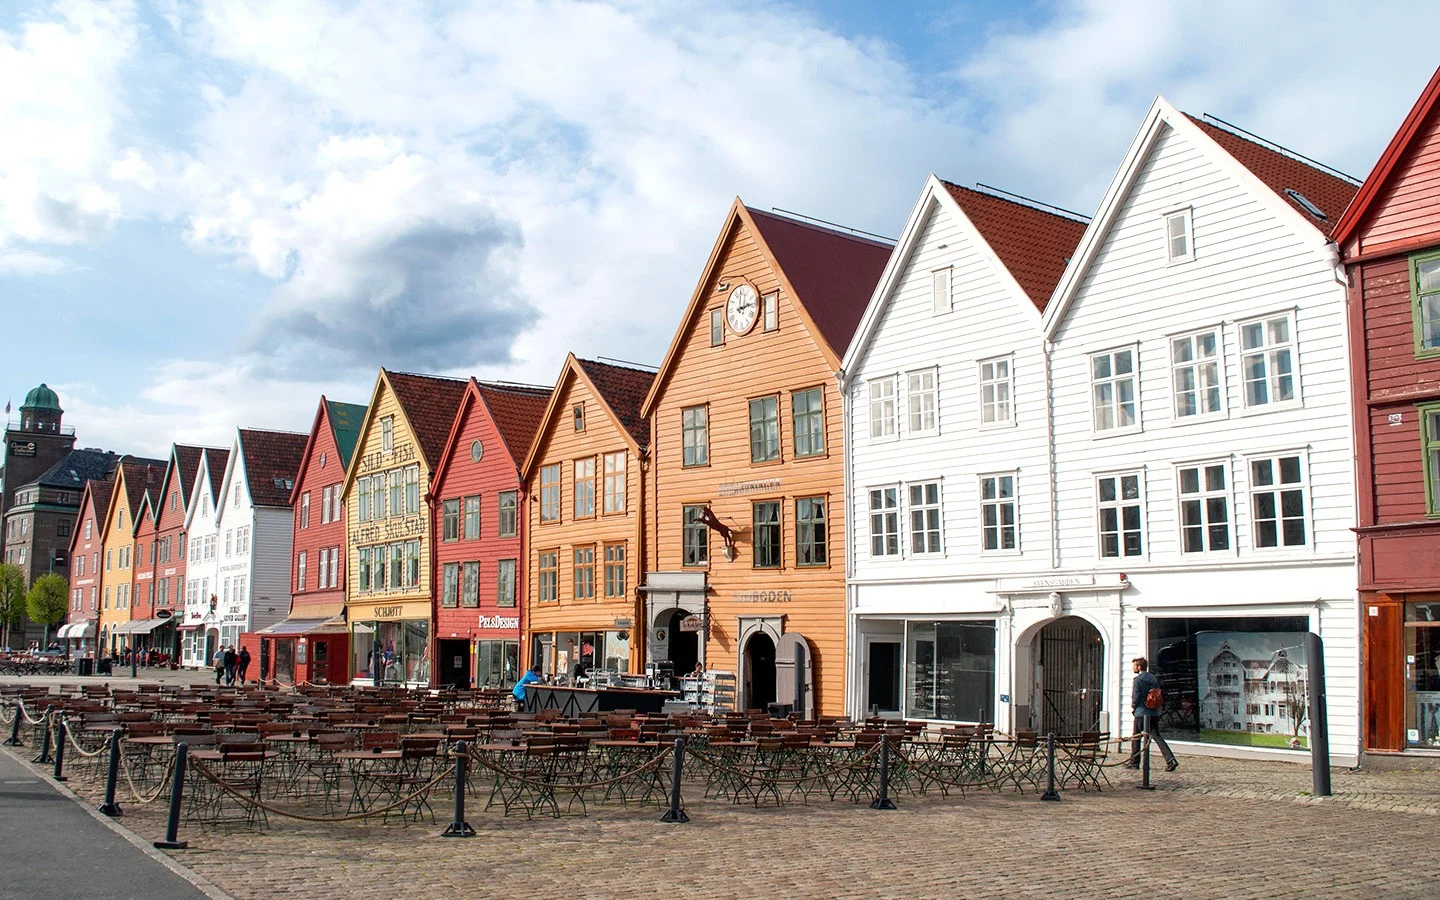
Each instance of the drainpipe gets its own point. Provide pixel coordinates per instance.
(852, 668)
(1050, 472)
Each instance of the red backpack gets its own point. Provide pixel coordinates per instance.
(1154, 699)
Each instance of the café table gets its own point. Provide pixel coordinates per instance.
(369, 771)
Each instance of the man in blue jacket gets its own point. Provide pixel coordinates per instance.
(529, 677)
(1147, 720)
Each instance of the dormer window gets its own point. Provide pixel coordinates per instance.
(1179, 236)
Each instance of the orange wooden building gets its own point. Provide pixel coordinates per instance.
(746, 534)
(584, 482)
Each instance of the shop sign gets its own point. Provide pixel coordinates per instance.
(234, 618)
(396, 529)
(403, 453)
(762, 596)
(623, 623)
(499, 621)
(22, 448)
(691, 623)
(162, 613)
(389, 612)
(740, 488)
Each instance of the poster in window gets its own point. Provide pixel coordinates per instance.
(1253, 688)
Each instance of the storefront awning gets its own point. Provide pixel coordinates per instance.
(77, 631)
(139, 626)
(304, 626)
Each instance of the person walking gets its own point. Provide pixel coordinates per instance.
(1146, 701)
(231, 660)
(219, 663)
(244, 660)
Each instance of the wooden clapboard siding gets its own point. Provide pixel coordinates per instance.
(1405, 209)
(143, 606)
(323, 466)
(117, 578)
(87, 543)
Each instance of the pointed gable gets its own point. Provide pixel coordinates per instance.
(1034, 245)
(272, 460)
(100, 493)
(141, 477)
(430, 403)
(216, 460)
(345, 421)
(516, 411)
(185, 459)
(623, 389)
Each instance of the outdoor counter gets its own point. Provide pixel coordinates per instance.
(571, 701)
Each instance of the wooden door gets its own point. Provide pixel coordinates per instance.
(1384, 675)
(794, 683)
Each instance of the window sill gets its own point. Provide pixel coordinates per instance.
(994, 426)
(884, 438)
(1001, 554)
(1199, 419)
(1116, 432)
(766, 463)
(1246, 411)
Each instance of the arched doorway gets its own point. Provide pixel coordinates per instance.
(759, 671)
(684, 645)
(1069, 656)
(212, 643)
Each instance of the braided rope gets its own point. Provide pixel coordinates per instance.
(571, 787)
(724, 767)
(246, 799)
(159, 788)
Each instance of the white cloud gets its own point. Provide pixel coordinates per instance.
(28, 262)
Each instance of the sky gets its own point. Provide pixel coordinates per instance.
(213, 212)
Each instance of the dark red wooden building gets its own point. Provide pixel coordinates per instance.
(1389, 240)
(478, 504)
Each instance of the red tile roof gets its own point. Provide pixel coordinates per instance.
(1279, 171)
(272, 462)
(100, 493)
(1033, 244)
(187, 465)
(430, 403)
(216, 459)
(833, 272)
(142, 476)
(623, 389)
(516, 411)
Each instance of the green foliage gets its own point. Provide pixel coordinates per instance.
(12, 595)
(48, 600)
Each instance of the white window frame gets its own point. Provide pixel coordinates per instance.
(1186, 216)
(1113, 380)
(770, 303)
(717, 327)
(1202, 495)
(1266, 350)
(881, 401)
(912, 395)
(1119, 504)
(941, 290)
(387, 434)
(1308, 517)
(1014, 476)
(1195, 363)
(883, 512)
(924, 507)
(1008, 382)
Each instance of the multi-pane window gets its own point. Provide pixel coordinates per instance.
(1267, 360)
(695, 435)
(304, 513)
(301, 561)
(1112, 389)
(584, 573)
(940, 290)
(764, 429)
(472, 518)
(387, 433)
(550, 493)
(882, 407)
(1179, 244)
(470, 585)
(1204, 508)
(1425, 301)
(614, 500)
(505, 583)
(362, 499)
(996, 389)
(412, 490)
(364, 571)
(717, 327)
(1430, 455)
(808, 410)
(585, 488)
(378, 507)
(548, 567)
(925, 517)
(614, 570)
(379, 568)
(578, 414)
(335, 513)
(811, 537)
(506, 515)
(1195, 374)
(885, 521)
(765, 517)
(695, 536)
(1277, 501)
(397, 566)
(998, 531)
(771, 304)
(450, 520)
(397, 492)
(324, 569)
(920, 400)
(450, 586)
(412, 564)
(1119, 503)
(325, 505)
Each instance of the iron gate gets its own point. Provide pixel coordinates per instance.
(1072, 677)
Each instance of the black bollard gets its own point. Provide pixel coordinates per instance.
(14, 739)
(44, 756)
(177, 788)
(60, 730)
(1050, 792)
(883, 801)
(1145, 784)
(134, 659)
(676, 813)
(1319, 724)
(459, 828)
(112, 777)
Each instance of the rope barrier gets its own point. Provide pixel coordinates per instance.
(225, 786)
(652, 763)
(710, 761)
(161, 788)
(70, 733)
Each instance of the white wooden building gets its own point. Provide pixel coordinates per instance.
(200, 633)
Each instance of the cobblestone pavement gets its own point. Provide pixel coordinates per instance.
(1216, 828)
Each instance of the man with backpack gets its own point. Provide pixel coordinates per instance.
(1147, 701)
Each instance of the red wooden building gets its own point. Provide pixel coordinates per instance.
(1389, 239)
(477, 503)
(170, 555)
(312, 644)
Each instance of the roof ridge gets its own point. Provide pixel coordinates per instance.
(425, 375)
(836, 230)
(608, 365)
(1034, 205)
(514, 386)
(1263, 142)
(304, 434)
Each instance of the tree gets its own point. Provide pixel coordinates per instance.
(48, 601)
(12, 598)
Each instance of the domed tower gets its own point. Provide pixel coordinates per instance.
(41, 411)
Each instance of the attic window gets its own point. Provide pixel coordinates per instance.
(1179, 236)
(579, 413)
(322, 459)
(283, 484)
(387, 434)
(771, 302)
(940, 291)
(1305, 204)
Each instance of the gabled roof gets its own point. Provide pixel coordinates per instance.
(621, 389)
(141, 476)
(514, 409)
(272, 459)
(1034, 245)
(184, 465)
(100, 493)
(429, 403)
(345, 421)
(79, 466)
(1282, 173)
(1265, 172)
(216, 461)
(1395, 152)
(828, 274)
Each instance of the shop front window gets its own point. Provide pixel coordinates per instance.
(1422, 682)
(1233, 680)
(498, 664)
(950, 671)
(399, 649)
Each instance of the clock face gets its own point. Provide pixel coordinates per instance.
(741, 309)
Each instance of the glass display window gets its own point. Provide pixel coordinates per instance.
(950, 671)
(1422, 674)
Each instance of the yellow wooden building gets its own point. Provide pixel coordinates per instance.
(747, 532)
(388, 598)
(133, 477)
(585, 483)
